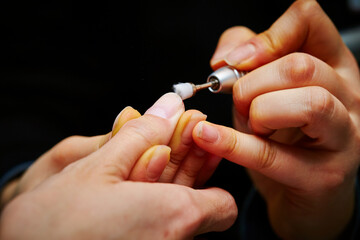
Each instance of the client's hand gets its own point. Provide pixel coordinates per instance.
(91, 198)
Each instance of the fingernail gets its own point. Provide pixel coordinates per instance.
(118, 116)
(190, 124)
(158, 162)
(123, 117)
(221, 52)
(240, 54)
(167, 106)
(207, 132)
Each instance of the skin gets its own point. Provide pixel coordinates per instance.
(91, 193)
(296, 118)
(181, 162)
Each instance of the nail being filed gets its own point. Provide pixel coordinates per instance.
(222, 80)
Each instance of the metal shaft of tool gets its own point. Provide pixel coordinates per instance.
(205, 85)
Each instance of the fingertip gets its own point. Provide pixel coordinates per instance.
(184, 128)
(206, 131)
(169, 106)
(127, 114)
(228, 41)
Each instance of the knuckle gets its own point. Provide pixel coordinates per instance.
(62, 151)
(306, 8)
(188, 212)
(145, 130)
(271, 41)
(233, 145)
(320, 103)
(297, 68)
(176, 159)
(331, 179)
(266, 155)
(239, 29)
(236, 30)
(189, 172)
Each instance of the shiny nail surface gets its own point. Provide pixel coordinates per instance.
(207, 132)
(240, 54)
(167, 106)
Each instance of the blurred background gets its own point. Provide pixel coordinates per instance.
(69, 67)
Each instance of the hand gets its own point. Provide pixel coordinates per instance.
(298, 120)
(67, 151)
(188, 164)
(91, 199)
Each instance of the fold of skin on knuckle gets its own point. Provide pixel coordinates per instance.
(231, 144)
(305, 11)
(266, 156)
(321, 109)
(297, 69)
(320, 103)
(263, 157)
(189, 171)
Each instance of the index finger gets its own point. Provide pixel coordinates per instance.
(285, 164)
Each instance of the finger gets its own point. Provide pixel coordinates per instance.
(292, 71)
(191, 166)
(124, 116)
(72, 149)
(303, 27)
(218, 209)
(155, 127)
(312, 109)
(285, 164)
(151, 164)
(231, 38)
(207, 170)
(181, 143)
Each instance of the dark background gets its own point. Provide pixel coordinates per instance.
(68, 68)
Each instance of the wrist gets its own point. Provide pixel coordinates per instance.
(316, 217)
(8, 192)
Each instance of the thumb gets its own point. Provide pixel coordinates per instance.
(303, 27)
(155, 127)
(218, 207)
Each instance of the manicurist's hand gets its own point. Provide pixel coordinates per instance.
(297, 120)
(92, 199)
